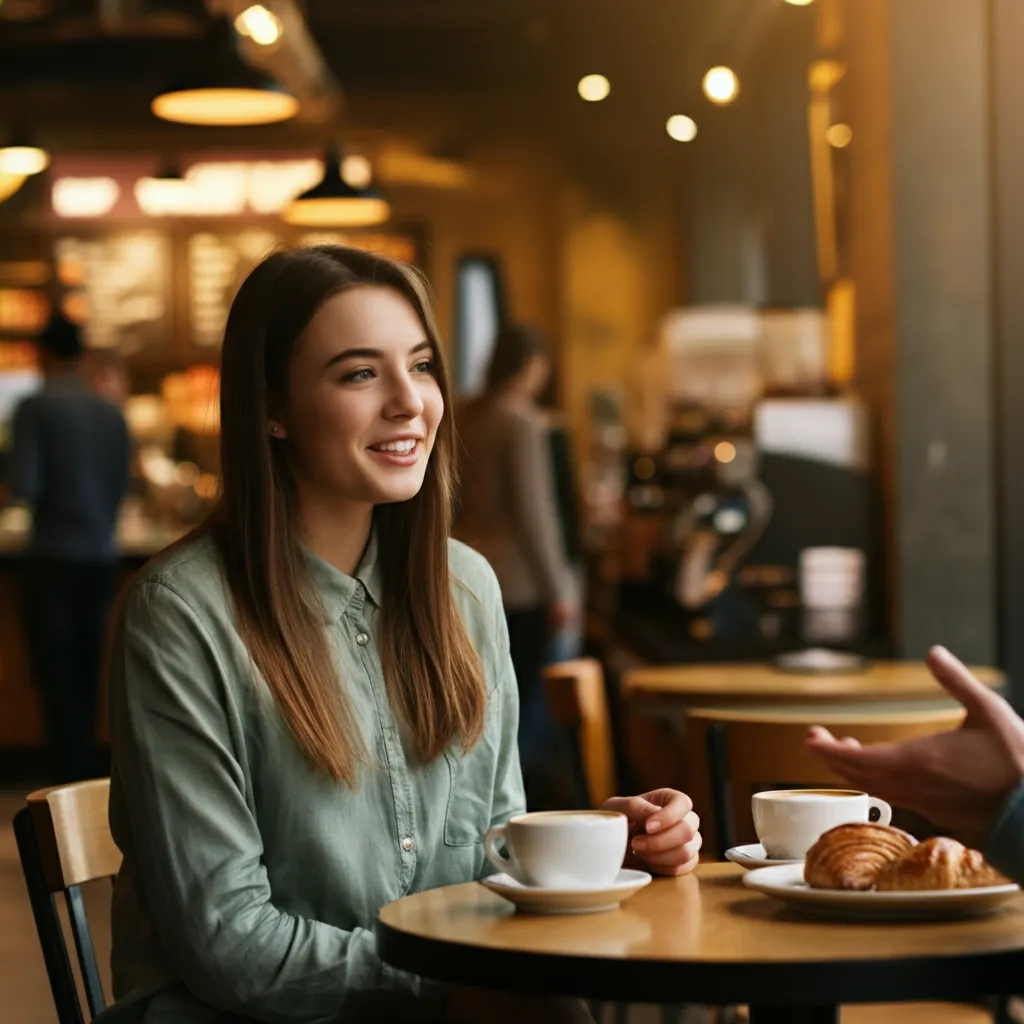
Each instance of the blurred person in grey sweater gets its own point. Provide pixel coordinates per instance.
(69, 460)
(508, 512)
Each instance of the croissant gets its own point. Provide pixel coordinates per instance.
(938, 863)
(849, 856)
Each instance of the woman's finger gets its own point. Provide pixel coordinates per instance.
(669, 838)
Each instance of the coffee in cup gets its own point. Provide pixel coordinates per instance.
(789, 821)
(561, 849)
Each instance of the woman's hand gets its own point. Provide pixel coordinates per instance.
(957, 780)
(664, 831)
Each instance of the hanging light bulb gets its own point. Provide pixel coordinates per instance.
(721, 85)
(334, 203)
(223, 90)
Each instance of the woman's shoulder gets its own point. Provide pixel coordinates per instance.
(189, 570)
(474, 578)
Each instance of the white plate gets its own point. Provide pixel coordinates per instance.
(754, 856)
(786, 883)
(535, 900)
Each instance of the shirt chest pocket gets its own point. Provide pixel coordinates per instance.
(468, 814)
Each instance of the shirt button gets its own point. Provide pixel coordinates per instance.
(407, 844)
(362, 639)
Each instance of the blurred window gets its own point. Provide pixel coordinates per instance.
(479, 308)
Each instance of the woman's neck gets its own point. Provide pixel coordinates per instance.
(335, 531)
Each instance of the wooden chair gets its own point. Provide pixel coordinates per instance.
(579, 706)
(64, 841)
(754, 748)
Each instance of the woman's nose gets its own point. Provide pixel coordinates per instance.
(405, 400)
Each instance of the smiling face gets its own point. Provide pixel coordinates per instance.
(363, 405)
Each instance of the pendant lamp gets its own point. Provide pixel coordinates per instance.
(20, 156)
(224, 91)
(333, 203)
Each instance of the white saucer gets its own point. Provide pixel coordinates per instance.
(786, 883)
(535, 900)
(754, 856)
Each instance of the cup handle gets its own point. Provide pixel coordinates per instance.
(507, 864)
(884, 810)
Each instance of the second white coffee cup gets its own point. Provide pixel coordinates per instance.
(789, 821)
(561, 849)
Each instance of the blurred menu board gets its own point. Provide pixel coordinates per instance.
(118, 287)
(217, 266)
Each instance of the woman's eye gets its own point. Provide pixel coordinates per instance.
(358, 376)
(424, 366)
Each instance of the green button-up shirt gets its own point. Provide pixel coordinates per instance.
(250, 881)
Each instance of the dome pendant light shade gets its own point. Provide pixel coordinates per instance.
(19, 156)
(333, 203)
(223, 90)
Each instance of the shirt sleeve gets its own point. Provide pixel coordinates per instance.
(1004, 845)
(535, 511)
(177, 742)
(509, 797)
(25, 466)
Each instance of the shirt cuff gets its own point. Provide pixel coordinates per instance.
(1004, 844)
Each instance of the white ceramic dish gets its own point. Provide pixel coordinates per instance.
(534, 900)
(786, 883)
(752, 856)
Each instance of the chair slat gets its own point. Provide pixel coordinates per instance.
(86, 953)
(73, 833)
(44, 910)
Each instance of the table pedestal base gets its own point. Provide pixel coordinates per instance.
(794, 1015)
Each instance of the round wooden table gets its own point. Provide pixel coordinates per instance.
(704, 938)
(761, 682)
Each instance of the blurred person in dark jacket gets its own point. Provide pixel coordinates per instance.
(69, 462)
(509, 513)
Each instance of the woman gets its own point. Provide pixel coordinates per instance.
(508, 512)
(313, 709)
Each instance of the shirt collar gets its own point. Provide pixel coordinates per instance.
(338, 592)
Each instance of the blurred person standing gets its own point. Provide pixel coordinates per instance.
(69, 461)
(508, 512)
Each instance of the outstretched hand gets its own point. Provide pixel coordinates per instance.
(957, 780)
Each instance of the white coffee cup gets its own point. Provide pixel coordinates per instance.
(561, 849)
(789, 821)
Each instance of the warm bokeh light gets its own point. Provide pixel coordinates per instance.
(9, 184)
(594, 88)
(721, 85)
(225, 107)
(357, 171)
(331, 212)
(681, 128)
(84, 197)
(24, 160)
(259, 24)
(725, 451)
(800, 3)
(839, 135)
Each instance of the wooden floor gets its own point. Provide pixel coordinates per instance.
(25, 994)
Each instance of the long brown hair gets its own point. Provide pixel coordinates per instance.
(434, 677)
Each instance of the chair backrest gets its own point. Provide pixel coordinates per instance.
(579, 704)
(64, 841)
(754, 748)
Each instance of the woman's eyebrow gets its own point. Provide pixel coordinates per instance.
(372, 353)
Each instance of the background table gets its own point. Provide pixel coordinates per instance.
(762, 683)
(704, 938)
